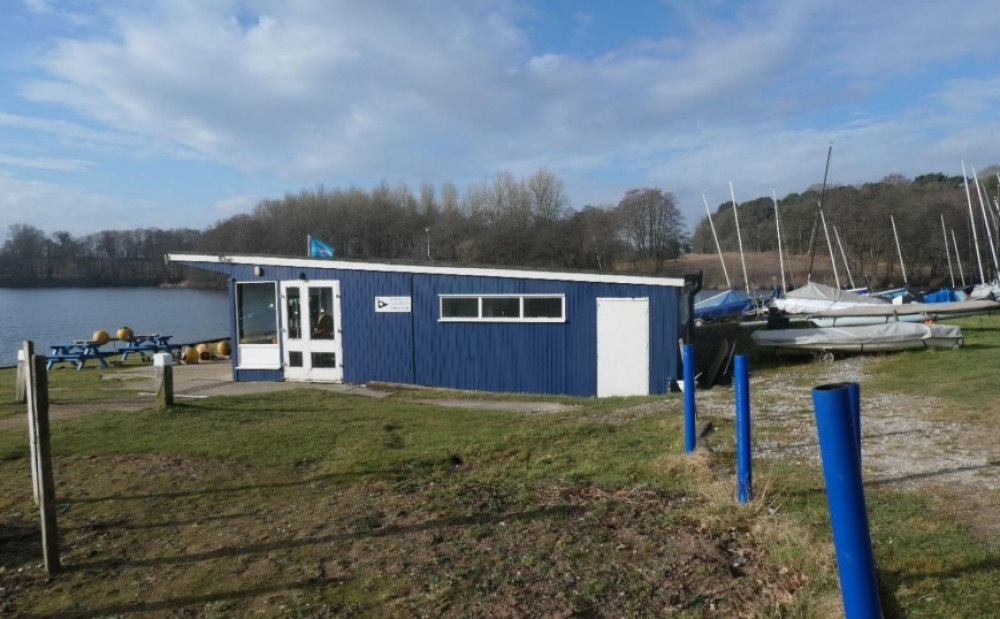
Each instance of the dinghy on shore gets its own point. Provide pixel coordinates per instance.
(889, 337)
(910, 312)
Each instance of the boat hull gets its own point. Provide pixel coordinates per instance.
(890, 337)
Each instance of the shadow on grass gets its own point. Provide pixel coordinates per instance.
(192, 600)
(892, 581)
(930, 474)
(125, 524)
(555, 511)
(333, 477)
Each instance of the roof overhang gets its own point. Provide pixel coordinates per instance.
(428, 269)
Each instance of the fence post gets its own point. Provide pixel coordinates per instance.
(28, 352)
(163, 374)
(744, 471)
(690, 417)
(20, 387)
(38, 412)
(845, 496)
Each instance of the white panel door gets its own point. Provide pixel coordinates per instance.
(622, 347)
(311, 332)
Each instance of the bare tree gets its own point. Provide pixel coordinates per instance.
(652, 224)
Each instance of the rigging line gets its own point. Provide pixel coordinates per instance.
(739, 238)
(718, 247)
(947, 252)
(972, 222)
(822, 196)
(781, 257)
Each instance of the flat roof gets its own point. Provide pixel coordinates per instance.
(428, 269)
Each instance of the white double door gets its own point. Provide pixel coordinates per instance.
(311, 331)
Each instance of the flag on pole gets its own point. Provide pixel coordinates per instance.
(319, 249)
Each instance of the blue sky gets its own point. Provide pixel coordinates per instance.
(147, 113)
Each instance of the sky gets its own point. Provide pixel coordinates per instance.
(122, 114)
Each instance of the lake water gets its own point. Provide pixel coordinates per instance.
(52, 315)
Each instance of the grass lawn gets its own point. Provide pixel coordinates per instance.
(309, 503)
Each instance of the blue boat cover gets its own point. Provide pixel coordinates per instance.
(726, 304)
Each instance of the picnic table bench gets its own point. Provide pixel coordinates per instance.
(77, 353)
(149, 343)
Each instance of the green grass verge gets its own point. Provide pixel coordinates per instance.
(374, 463)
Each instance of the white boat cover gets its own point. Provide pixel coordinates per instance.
(869, 338)
(910, 312)
(815, 297)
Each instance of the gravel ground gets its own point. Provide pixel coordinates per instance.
(955, 464)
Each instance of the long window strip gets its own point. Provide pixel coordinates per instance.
(481, 317)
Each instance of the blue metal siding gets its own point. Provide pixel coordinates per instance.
(558, 358)
(531, 357)
(377, 345)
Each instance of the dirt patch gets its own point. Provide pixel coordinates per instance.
(178, 536)
(65, 410)
(502, 405)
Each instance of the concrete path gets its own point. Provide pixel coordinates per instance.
(215, 378)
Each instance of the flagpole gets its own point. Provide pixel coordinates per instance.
(309, 245)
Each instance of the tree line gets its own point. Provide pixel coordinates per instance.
(528, 222)
(859, 219)
(30, 257)
(501, 221)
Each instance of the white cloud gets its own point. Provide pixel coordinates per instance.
(43, 163)
(234, 205)
(51, 207)
(321, 91)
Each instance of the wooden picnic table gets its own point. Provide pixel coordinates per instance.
(144, 344)
(77, 352)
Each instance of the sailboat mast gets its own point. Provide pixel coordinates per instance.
(958, 257)
(739, 238)
(947, 251)
(986, 223)
(829, 246)
(822, 195)
(844, 256)
(899, 249)
(718, 247)
(972, 222)
(781, 256)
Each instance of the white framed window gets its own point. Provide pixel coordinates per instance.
(502, 308)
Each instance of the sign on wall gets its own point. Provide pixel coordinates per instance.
(392, 304)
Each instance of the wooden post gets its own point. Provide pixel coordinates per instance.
(163, 374)
(20, 388)
(38, 398)
(27, 352)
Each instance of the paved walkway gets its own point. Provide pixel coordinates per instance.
(215, 378)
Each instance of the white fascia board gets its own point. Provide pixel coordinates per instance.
(326, 263)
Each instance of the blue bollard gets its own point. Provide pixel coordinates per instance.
(854, 392)
(845, 497)
(744, 472)
(690, 440)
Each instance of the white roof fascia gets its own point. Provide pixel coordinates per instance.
(326, 263)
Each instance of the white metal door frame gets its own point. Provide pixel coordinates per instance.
(311, 346)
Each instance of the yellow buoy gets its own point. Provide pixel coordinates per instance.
(124, 334)
(101, 336)
(190, 355)
(223, 348)
(204, 351)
